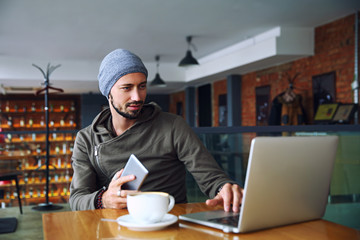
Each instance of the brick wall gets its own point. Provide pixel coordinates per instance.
(334, 52)
(218, 88)
(174, 99)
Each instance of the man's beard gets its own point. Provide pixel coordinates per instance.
(130, 115)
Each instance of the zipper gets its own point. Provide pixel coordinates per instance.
(96, 153)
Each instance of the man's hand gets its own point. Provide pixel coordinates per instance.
(229, 194)
(110, 199)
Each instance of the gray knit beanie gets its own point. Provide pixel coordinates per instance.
(116, 64)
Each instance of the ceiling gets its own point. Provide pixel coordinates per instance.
(78, 33)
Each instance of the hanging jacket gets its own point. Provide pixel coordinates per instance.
(285, 112)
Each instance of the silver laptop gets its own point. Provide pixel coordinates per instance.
(287, 181)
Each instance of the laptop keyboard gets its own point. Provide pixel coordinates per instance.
(230, 220)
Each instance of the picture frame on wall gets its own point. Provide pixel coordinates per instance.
(344, 113)
(325, 113)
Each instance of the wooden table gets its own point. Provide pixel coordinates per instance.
(87, 225)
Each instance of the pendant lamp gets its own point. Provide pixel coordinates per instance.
(188, 59)
(158, 82)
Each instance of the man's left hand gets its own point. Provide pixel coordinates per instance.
(229, 194)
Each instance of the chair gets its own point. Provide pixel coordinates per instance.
(6, 175)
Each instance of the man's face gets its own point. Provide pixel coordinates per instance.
(128, 94)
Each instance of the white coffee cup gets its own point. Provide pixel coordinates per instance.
(149, 207)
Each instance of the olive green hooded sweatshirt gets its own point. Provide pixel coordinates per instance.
(162, 141)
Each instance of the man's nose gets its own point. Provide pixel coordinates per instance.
(135, 95)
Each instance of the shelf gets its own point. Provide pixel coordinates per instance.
(33, 184)
(5, 156)
(21, 112)
(23, 143)
(37, 140)
(35, 127)
(62, 198)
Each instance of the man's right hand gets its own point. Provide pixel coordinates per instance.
(110, 198)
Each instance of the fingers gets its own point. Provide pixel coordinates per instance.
(237, 197)
(118, 174)
(229, 195)
(119, 181)
(214, 202)
(115, 197)
(111, 199)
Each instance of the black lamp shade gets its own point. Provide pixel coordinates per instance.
(158, 81)
(188, 60)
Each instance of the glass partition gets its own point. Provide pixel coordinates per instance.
(230, 148)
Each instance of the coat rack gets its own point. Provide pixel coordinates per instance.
(47, 206)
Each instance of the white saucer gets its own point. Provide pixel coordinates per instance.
(129, 222)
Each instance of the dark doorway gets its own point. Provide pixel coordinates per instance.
(223, 110)
(262, 105)
(323, 89)
(204, 99)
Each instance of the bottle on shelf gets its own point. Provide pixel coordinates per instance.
(57, 149)
(38, 149)
(33, 107)
(64, 148)
(9, 137)
(33, 177)
(26, 178)
(31, 192)
(22, 122)
(38, 192)
(59, 163)
(72, 107)
(71, 147)
(54, 136)
(56, 178)
(42, 122)
(7, 107)
(31, 122)
(10, 122)
(62, 122)
(67, 177)
(71, 121)
(65, 191)
(26, 163)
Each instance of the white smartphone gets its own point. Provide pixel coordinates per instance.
(135, 167)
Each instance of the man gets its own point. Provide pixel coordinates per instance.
(163, 142)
